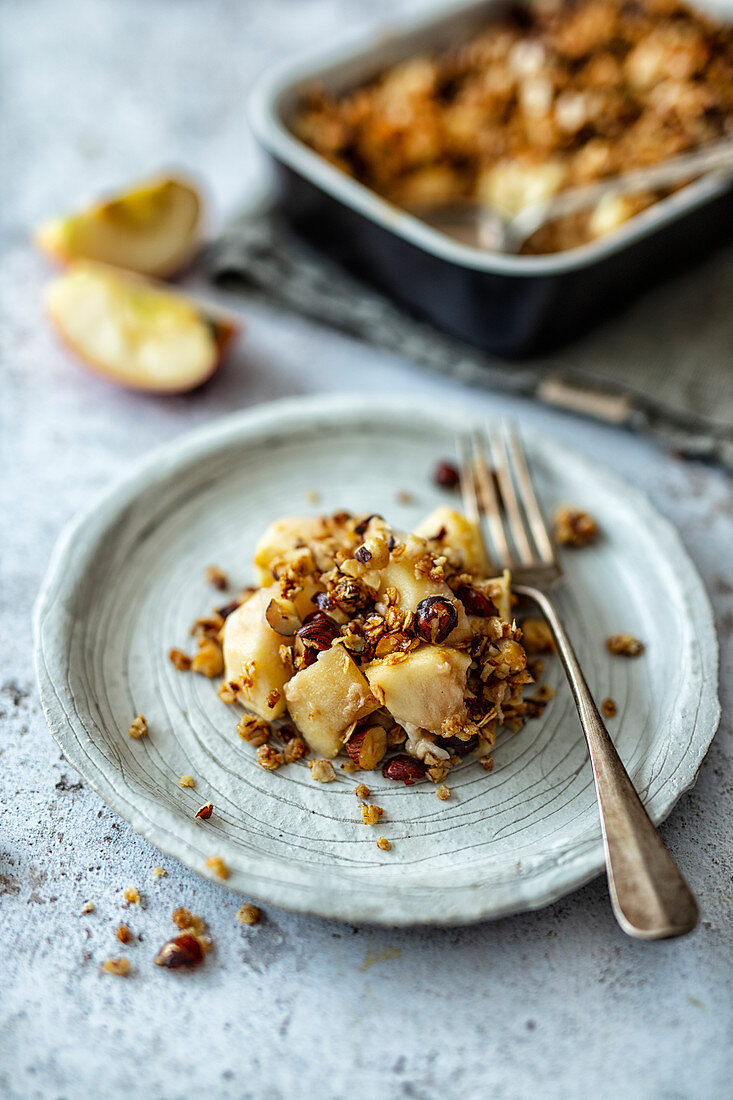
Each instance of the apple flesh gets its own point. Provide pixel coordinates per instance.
(134, 332)
(460, 533)
(153, 230)
(425, 688)
(326, 698)
(250, 640)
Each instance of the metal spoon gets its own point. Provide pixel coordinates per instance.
(482, 226)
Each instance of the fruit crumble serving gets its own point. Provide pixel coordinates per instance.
(395, 651)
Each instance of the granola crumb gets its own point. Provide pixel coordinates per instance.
(119, 967)
(187, 781)
(350, 767)
(624, 645)
(87, 907)
(384, 844)
(187, 921)
(362, 791)
(124, 935)
(313, 496)
(204, 812)
(269, 758)
(159, 872)
(218, 866)
(253, 730)
(537, 636)
(229, 690)
(273, 699)
(138, 728)
(249, 914)
(487, 763)
(295, 749)
(574, 527)
(544, 693)
(179, 659)
(322, 771)
(609, 708)
(217, 578)
(209, 661)
(132, 895)
(443, 792)
(404, 497)
(370, 815)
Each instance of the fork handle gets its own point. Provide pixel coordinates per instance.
(649, 896)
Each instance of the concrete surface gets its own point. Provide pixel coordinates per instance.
(551, 1004)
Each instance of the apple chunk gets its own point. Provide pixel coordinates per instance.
(423, 689)
(459, 533)
(412, 590)
(252, 655)
(281, 537)
(152, 229)
(134, 332)
(326, 698)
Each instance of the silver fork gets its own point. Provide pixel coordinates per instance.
(650, 898)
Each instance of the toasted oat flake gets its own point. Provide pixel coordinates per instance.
(138, 728)
(124, 935)
(443, 792)
(249, 914)
(119, 967)
(609, 708)
(574, 527)
(350, 767)
(229, 690)
(384, 844)
(159, 872)
(269, 758)
(253, 730)
(370, 815)
(209, 661)
(487, 763)
(624, 645)
(218, 866)
(188, 922)
(322, 771)
(217, 577)
(179, 659)
(362, 791)
(87, 907)
(187, 781)
(132, 895)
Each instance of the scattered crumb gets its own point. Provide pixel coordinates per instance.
(88, 907)
(487, 763)
(138, 728)
(384, 844)
(608, 708)
(132, 895)
(624, 645)
(187, 781)
(350, 767)
(209, 661)
(370, 815)
(218, 866)
(179, 660)
(362, 791)
(229, 690)
(537, 636)
(574, 527)
(403, 497)
(205, 812)
(188, 922)
(120, 967)
(185, 950)
(313, 496)
(124, 935)
(322, 771)
(159, 872)
(269, 758)
(253, 730)
(443, 792)
(217, 577)
(544, 693)
(249, 914)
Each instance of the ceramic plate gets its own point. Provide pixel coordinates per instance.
(127, 580)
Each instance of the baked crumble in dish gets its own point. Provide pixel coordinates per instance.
(551, 94)
(392, 651)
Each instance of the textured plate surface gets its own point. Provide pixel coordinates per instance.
(127, 579)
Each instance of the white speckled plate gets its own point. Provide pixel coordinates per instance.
(127, 579)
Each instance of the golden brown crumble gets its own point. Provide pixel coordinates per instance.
(217, 578)
(443, 792)
(255, 731)
(370, 815)
(119, 967)
(209, 661)
(544, 693)
(187, 781)
(188, 922)
(487, 763)
(269, 758)
(138, 728)
(295, 749)
(350, 767)
(537, 636)
(132, 895)
(159, 872)
(229, 690)
(609, 708)
(87, 907)
(322, 771)
(574, 527)
(124, 935)
(624, 645)
(362, 791)
(179, 659)
(249, 914)
(184, 950)
(218, 866)
(384, 844)
(273, 699)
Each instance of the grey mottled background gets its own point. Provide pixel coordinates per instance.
(552, 1004)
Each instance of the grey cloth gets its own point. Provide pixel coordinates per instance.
(665, 366)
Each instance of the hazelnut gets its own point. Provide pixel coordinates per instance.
(282, 616)
(435, 618)
(205, 812)
(184, 950)
(318, 631)
(476, 602)
(405, 768)
(446, 475)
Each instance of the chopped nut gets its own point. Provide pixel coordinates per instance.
(187, 781)
(269, 758)
(180, 660)
(249, 914)
(88, 907)
(188, 922)
(537, 636)
(204, 812)
(446, 475)
(273, 698)
(573, 527)
(184, 950)
(624, 645)
(322, 771)
(253, 730)
(384, 844)
(159, 872)
(124, 935)
(229, 690)
(209, 661)
(370, 815)
(132, 895)
(295, 749)
(215, 576)
(362, 791)
(609, 708)
(119, 967)
(443, 792)
(218, 866)
(403, 497)
(487, 763)
(138, 728)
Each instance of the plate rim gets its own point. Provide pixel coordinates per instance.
(302, 411)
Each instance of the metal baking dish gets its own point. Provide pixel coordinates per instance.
(510, 305)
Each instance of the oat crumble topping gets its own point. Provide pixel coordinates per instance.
(573, 527)
(443, 792)
(322, 771)
(124, 935)
(179, 659)
(187, 781)
(217, 578)
(87, 907)
(362, 791)
(132, 895)
(370, 815)
(118, 967)
(218, 866)
(249, 914)
(609, 708)
(138, 728)
(384, 844)
(624, 645)
(159, 872)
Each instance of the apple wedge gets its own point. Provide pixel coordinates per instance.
(134, 332)
(152, 230)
